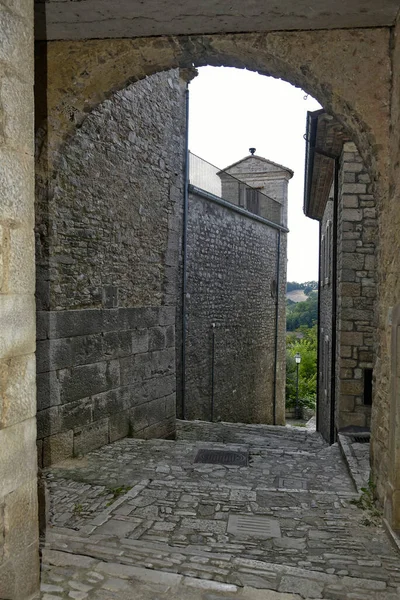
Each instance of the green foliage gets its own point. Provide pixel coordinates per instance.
(302, 314)
(304, 342)
(117, 492)
(307, 286)
(366, 502)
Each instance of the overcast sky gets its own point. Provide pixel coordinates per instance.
(232, 110)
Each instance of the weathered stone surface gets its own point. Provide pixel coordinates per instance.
(20, 519)
(90, 437)
(222, 290)
(17, 390)
(175, 518)
(57, 447)
(18, 456)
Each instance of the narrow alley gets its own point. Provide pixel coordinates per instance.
(141, 518)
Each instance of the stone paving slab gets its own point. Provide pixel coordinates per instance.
(173, 513)
(357, 458)
(98, 580)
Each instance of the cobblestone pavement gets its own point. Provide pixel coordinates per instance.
(285, 522)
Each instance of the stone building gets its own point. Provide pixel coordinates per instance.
(236, 279)
(347, 56)
(108, 244)
(339, 195)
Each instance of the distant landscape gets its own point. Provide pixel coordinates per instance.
(301, 338)
(302, 304)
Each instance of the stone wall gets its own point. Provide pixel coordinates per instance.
(19, 556)
(325, 325)
(231, 281)
(103, 375)
(385, 440)
(357, 247)
(108, 241)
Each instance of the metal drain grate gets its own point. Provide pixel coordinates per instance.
(253, 526)
(359, 439)
(222, 457)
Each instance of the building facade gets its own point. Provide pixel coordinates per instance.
(339, 195)
(236, 280)
(347, 56)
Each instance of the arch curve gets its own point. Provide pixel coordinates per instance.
(348, 71)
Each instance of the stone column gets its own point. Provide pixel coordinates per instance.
(19, 559)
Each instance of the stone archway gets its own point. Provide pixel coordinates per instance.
(348, 71)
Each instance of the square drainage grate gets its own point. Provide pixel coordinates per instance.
(292, 483)
(222, 457)
(253, 526)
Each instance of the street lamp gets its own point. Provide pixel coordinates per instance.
(297, 358)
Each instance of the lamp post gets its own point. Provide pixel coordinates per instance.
(297, 358)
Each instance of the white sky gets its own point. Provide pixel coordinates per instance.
(232, 110)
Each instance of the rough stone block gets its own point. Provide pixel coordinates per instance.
(110, 296)
(350, 201)
(134, 368)
(163, 362)
(170, 406)
(351, 338)
(140, 341)
(108, 403)
(76, 414)
(18, 455)
(20, 518)
(91, 437)
(354, 314)
(17, 390)
(351, 387)
(58, 447)
(165, 429)
(16, 187)
(112, 320)
(119, 426)
(159, 387)
(139, 318)
(48, 422)
(47, 390)
(116, 344)
(353, 167)
(352, 261)
(149, 413)
(350, 289)
(167, 315)
(157, 338)
(28, 564)
(87, 380)
(346, 403)
(17, 325)
(351, 418)
(170, 336)
(70, 323)
(354, 188)
(18, 130)
(42, 324)
(21, 261)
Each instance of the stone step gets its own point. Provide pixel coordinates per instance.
(221, 567)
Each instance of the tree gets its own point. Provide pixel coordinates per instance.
(306, 346)
(302, 313)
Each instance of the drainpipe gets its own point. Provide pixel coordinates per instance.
(334, 300)
(319, 345)
(212, 371)
(278, 263)
(184, 259)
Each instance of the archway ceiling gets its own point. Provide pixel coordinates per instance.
(83, 19)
